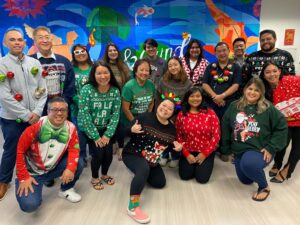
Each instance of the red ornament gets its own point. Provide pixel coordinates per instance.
(45, 73)
(10, 75)
(213, 72)
(18, 97)
(226, 73)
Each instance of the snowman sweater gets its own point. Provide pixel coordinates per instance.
(155, 139)
(41, 147)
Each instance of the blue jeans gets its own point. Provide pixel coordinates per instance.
(11, 133)
(249, 168)
(31, 202)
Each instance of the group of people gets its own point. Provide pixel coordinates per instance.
(176, 112)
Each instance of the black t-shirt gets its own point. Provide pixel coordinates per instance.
(155, 139)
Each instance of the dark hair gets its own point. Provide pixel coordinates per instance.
(182, 74)
(238, 39)
(269, 90)
(124, 71)
(185, 102)
(74, 62)
(189, 46)
(92, 80)
(221, 43)
(272, 32)
(56, 99)
(150, 41)
(138, 63)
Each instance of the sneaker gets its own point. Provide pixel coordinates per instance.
(138, 215)
(163, 161)
(173, 163)
(70, 195)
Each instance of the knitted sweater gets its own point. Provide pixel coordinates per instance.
(286, 98)
(196, 74)
(120, 76)
(38, 152)
(99, 111)
(24, 84)
(199, 131)
(174, 86)
(60, 78)
(155, 139)
(244, 130)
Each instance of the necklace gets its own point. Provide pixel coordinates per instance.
(224, 76)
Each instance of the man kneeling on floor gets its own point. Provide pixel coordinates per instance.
(47, 150)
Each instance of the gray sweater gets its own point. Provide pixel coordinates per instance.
(24, 83)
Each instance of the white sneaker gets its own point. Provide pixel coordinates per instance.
(173, 163)
(163, 161)
(70, 195)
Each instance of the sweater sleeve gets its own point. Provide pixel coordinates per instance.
(85, 120)
(26, 139)
(114, 120)
(180, 133)
(215, 133)
(226, 130)
(73, 152)
(279, 130)
(69, 83)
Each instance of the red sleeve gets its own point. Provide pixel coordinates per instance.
(73, 150)
(26, 139)
(215, 133)
(180, 134)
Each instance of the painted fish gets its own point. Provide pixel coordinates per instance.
(145, 11)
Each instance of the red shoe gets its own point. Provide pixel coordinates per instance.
(138, 215)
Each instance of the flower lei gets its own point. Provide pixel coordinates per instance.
(174, 97)
(223, 77)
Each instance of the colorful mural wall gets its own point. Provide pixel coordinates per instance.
(128, 23)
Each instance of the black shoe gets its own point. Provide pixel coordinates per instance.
(49, 183)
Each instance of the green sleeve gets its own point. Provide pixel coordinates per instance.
(85, 120)
(226, 131)
(114, 119)
(279, 130)
(127, 93)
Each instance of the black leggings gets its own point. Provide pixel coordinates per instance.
(201, 172)
(294, 135)
(143, 173)
(100, 157)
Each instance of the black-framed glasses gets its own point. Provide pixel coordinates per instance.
(56, 110)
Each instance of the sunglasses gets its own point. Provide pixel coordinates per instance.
(79, 52)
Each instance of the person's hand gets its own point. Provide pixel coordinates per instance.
(104, 140)
(98, 143)
(137, 128)
(25, 186)
(200, 158)
(191, 159)
(178, 146)
(67, 176)
(33, 118)
(267, 155)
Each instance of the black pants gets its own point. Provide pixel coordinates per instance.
(100, 157)
(294, 135)
(143, 173)
(201, 172)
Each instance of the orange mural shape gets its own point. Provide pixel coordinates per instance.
(228, 29)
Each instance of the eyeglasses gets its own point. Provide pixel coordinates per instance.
(79, 52)
(56, 110)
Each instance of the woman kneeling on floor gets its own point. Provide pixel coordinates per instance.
(253, 130)
(152, 133)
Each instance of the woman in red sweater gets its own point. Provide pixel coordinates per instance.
(198, 128)
(284, 92)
